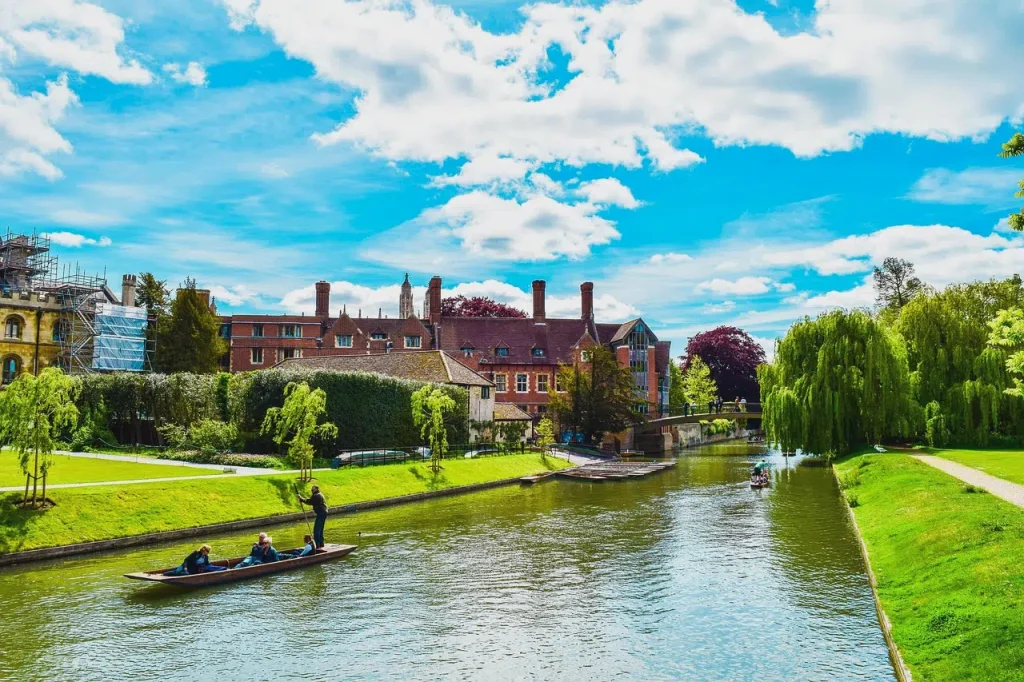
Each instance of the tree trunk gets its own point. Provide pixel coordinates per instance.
(24, 500)
(44, 489)
(35, 477)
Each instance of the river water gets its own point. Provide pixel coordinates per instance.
(687, 574)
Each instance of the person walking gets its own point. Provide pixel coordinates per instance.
(319, 504)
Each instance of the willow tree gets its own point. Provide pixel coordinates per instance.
(1015, 147)
(33, 411)
(296, 423)
(837, 382)
(1008, 333)
(430, 408)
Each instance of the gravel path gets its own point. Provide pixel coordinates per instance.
(1011, 492)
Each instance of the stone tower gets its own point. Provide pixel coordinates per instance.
(405, 310)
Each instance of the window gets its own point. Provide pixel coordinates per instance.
(60, 331)
(499, 383)
(558, 384)
(501, 352)
(538, 352)
(225, 331)
(585, 356)
(542, 409)
(378, 336)
(343, 340)
(12, 329)
(412, 342)
(522, 383)
(542, 383)
(485, 392)
(257, 330)
(291, 331)
(289, 353)
(256, 356)
(11, 368)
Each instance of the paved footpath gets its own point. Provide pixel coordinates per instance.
(1011, 492)
(139, 459)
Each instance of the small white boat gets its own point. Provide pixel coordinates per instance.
(879, 448)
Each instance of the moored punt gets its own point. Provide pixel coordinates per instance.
(326, 553)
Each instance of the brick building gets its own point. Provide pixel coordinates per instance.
(520, 355)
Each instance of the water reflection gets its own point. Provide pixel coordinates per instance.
(686, 574)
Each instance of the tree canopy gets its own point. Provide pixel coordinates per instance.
(477, 306)
(1015, 147)
(295, 423)
(732, 356)
(698, 385)
(189, 341)
(599, 397)
(430, 408)
(1008, 333)
(895, 283)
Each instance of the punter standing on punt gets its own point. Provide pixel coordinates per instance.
(319, 504)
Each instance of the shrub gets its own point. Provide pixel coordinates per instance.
(968, 488)
(210, 436)
(852, 501)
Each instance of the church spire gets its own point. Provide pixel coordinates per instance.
(405, 310)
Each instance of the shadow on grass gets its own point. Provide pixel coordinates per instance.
(437, 481)
(14, 522)
(287, 491)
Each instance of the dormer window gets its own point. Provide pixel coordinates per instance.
(378, 336)
(412, 342)
(343, 340)
(537, 352)
(501, 351)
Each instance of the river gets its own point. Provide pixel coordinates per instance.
(687, 574)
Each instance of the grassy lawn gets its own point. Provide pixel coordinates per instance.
(1005, 464)
(949, 568)
(99, 513)
(67, 469)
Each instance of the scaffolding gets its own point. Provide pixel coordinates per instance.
(25, 262)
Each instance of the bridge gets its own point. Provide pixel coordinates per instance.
(729, 410)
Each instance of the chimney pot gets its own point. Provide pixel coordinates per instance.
(538, 301)
(128, 290)
(323, 299)
(587, 300)
(434, 298)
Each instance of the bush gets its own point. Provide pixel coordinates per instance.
(852, 501)
(970, 489)
(210, 436)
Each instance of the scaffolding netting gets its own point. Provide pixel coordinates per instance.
(119, 343)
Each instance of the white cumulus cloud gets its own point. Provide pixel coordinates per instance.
(191, 74)
(74, 240)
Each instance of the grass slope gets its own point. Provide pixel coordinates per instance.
(948, 564)
(1005, 464)
(67, 469)
(99, 513)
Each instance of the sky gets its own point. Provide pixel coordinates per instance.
(703, 162)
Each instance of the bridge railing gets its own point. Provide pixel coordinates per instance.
(727, 409)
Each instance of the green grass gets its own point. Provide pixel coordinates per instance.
(1005, 464)
(67, 469)
(98, 513)
(949, 567)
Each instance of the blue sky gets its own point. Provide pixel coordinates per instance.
(703, 163)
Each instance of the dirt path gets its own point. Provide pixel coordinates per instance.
(1011, 492)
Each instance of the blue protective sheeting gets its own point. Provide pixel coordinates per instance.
(120, 341)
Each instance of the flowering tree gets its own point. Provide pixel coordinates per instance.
(33, 410)
(296, 424)
(477, 306)
(430, 406)
(732, 355)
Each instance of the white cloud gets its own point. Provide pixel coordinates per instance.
(192, 74)
(744, 286)
(487, 169)
(27, 132)
(607, 192)
(236, 295)
(716, 308)
(670, 258)
(74, 241)
(434, 85)
(970, 186)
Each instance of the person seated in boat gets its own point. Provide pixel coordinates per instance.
(308, 548)
(255, 554)
(268, 553)
(195, 563)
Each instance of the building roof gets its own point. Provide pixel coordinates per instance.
(510, 412)
(432, 366)
(557, 338)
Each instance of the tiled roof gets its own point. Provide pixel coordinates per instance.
(510, 412)
(433, 366)
(521, 335)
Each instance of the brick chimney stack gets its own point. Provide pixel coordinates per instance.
(128, 291)
(587, 300)
(323, 299)
(538, 301)
(434, 299)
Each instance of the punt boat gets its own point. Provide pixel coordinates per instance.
(326, 553)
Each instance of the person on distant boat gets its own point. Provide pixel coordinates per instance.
(309, 548)
(319, 503)
(195, 563)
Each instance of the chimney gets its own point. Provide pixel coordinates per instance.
(323, 299)
(434, 298)
(204, 296)
(587, 300)
(128, 291)
(538, 301)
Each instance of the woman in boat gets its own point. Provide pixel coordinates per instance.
(307, 549)
(268, 553)
(195, 563)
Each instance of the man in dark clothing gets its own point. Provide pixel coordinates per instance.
(196, 562)
(319, 504)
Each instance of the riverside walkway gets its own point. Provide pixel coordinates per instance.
(1011, 492)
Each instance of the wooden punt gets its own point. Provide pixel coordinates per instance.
(754, 484)
(232, 575)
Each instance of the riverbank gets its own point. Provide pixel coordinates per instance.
(946, 560)
(97, 513)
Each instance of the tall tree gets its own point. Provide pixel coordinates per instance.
(732, 356)
(477, 306)
(1015, 147)
(837, 382)
(895, 283)
(599, 397)
(1008, 333)
(698, 385)
(152, 293)
(33, 411)
(676, 393)
(430, 408)
(190, 340)
(296, 423)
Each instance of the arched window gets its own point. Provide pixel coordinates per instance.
(11, 368)
(12, 327)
